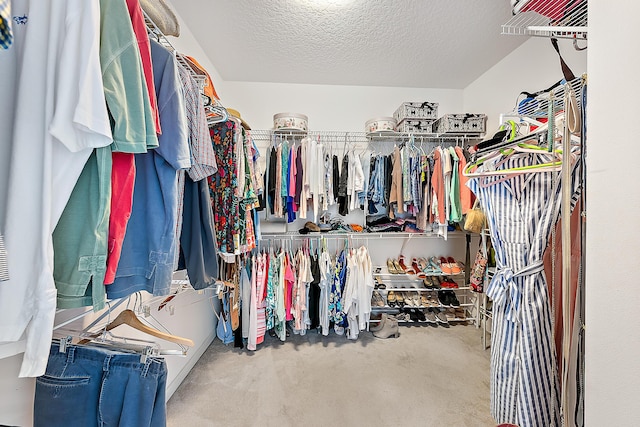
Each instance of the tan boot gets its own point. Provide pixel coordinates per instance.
(389, 329)
(378, 326)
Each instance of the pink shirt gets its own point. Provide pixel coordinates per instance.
(140, 29)
(289, 279)
(123, 176)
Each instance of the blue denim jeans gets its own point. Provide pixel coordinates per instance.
(90, 386)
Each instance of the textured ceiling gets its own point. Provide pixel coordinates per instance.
(410, 43)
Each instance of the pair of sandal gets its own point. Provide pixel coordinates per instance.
(449, 266)
(377, 300)
(401, 266)
(395, 299)
(429, 266)
(394, 267)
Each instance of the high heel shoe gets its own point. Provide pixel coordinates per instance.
(389, 329)
(403, 265)
(423, 264)
(376, 299)
(400, 299)
(391, 299)
(398, 267)
(391, 267)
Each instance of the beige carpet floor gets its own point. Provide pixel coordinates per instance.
(427, 377)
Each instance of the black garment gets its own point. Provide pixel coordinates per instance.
(378, 220)
(371, 206)
(198, 252)
(336, 177)
(343, 199)
(314, 293)
(271, 179)
(238, 342)
(299, 172)
(388, 169)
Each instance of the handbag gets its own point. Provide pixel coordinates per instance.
(475, 220)
(223, 328)
(476, 279)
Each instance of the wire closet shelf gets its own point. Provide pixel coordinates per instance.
(363, 139)
(539, 106)
(549, 18)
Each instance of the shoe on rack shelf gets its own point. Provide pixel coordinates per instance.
(460, 313)
(423, 264)
(413, 315)
(429, 282)
(443, 297)
(389, 329)
(435, 265)
(445, 266)
(448, 282)
(421, 316)
(416, 298)
(441, 318)
(391, 299)
(455, 267)
(444, 283)
(391, 266)
(408, 299)
(437, 282)
(424, 300)
(403, 264)
(376, 299)
(430, 316)
(400, 299)
(417, 270)
(450, 313)
(402, 317)
(432, 301)
(398, 267)
(379, 284)
(453, 299)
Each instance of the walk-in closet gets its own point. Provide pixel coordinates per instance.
(318, 212)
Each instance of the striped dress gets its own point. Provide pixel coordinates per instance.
(521, 212)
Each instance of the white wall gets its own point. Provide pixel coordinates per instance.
(613, 239)
(531, 67)
(341, 108)
(187, 44)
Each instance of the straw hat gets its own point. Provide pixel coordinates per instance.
(236, 114)
(162, 15)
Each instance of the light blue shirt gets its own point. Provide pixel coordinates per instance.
(149, 246)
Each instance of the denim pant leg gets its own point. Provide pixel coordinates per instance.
(67, 394)
(133, 393)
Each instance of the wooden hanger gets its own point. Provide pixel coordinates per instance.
(128, 317)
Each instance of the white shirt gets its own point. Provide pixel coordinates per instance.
(326, 272)
(355, 182)
(60, 116)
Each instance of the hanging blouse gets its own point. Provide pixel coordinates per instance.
(223, 186)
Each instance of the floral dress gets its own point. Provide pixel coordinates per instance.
(223, 187)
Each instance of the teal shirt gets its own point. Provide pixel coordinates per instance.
(80, 238)
(125, 88)
(454, 194)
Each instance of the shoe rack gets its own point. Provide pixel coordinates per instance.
(416, 296)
